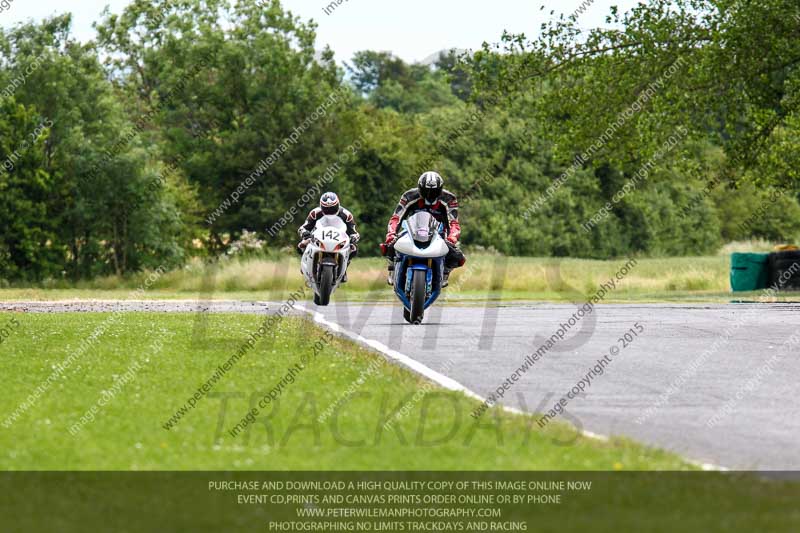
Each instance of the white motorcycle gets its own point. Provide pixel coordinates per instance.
(324, 262)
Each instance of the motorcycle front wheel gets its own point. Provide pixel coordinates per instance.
(325, 285)
(419, 284)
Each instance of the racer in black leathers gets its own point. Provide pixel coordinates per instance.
(329, 205)
(429, 196)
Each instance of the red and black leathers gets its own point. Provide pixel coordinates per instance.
(445, 210)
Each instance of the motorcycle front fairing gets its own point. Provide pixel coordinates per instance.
(420, 247)
(330, 245)
(333, 243)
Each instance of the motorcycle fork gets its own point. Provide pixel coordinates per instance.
(318, 264)
(429, 279)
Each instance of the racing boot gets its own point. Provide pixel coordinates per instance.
(344, 278)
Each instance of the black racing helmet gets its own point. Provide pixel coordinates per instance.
(329, 203)
(430, 186)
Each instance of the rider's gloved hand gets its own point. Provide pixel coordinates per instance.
(301, 247)
(452, 240)
(391, 238)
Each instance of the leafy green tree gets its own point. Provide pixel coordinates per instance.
(26, 231)
(748, 212)
(382, 168)
(255, 115)
(218, 120)
(388, 81)
(727, 70)
(371, 70)
(453, 65)
(104, 217)
(502, 167)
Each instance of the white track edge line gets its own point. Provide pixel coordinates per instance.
(447, 382)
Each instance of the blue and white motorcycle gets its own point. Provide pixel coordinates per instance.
(420, 250)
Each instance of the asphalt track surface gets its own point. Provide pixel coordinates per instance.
(737, 365)
(707, 359)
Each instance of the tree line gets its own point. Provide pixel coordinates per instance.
(185, 124)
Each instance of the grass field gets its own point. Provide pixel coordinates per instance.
(690, 279)
(172, 357)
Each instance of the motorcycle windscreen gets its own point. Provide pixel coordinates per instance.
(331, 221)
(422, 227)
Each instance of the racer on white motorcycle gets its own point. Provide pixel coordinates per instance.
(329, 205)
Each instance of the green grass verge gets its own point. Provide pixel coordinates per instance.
(127, 432)
(687, 279)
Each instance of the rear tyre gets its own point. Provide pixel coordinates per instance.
(418, 289)
(316, 299)
(325, 285)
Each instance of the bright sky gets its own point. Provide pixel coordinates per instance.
(412, 29)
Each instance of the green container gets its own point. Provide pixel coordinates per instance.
(749, 272)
